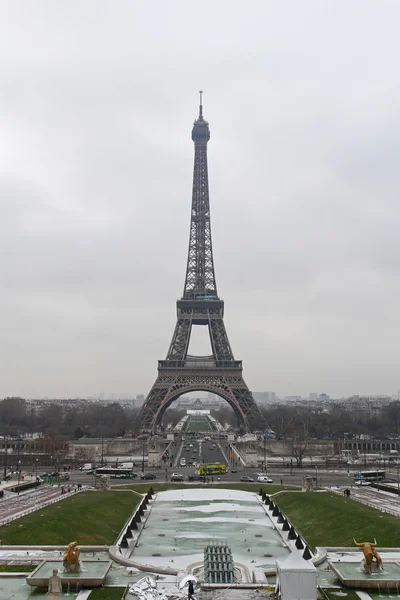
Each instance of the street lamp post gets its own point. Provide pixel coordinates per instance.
(19, 474)
(316, 476)
(143, 459)
(265, 455)
(5, 456)
(37, 460)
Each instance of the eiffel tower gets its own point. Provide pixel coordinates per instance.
(200, 304)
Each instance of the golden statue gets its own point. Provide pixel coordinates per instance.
(71, 558)
(370, 554)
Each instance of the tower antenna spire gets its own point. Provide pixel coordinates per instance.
(201, 104)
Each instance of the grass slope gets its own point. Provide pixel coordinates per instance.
(88, 517)
(107, 593)
(325, 519)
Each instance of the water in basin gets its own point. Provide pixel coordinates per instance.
(89, 569)
(349, 570)
(182, 522)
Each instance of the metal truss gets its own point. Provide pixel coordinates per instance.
(219, 373)
(228, 384)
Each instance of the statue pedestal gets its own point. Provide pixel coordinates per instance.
(373, 567)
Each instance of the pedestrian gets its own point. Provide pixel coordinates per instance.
(281, 481)
(190, 590)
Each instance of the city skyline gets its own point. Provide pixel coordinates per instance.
(95, 188)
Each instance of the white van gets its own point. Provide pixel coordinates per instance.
(183, 462)
(264, 479)
(86, 467)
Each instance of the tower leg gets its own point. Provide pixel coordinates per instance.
(171, 383)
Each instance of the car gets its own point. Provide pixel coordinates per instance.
(176, 477)
(148, 476)
(264, 479)
(362, 482)
(197, 478)
(246, 478)
(233, 470)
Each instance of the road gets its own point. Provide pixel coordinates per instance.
(279, 476)
(213, 451)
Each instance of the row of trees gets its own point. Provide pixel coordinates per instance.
(113, 420)
(90, 420)
(336, 421)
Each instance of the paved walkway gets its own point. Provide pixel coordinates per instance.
(11, 506)
(383, 501)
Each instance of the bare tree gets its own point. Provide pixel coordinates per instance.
(299, 447)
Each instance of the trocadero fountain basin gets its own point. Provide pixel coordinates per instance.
(92, 574)
(352, 575)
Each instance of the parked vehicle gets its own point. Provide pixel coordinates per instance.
(197, 478)
(246, 478)
(176, 477)
(86, 467)
(148, 476)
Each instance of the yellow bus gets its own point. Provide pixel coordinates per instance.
(212, 469)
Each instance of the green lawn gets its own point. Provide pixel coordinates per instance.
(17, 568)
(107, 593)
(89, 517)
(325, 519)
(198, 426)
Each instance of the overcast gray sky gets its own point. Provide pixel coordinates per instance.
(97, 101)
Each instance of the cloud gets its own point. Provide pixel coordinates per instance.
(96, 111)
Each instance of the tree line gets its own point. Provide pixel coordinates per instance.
(84, 420)
(337, 420)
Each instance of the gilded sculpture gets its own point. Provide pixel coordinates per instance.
(372, 560)
(71, 558)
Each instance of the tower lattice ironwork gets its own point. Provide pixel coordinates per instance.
(218, 373)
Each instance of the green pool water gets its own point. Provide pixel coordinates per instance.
(89, 569)
(351, 570)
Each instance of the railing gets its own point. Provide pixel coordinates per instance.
(199, 364)
(28, 511)
(363, 501)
